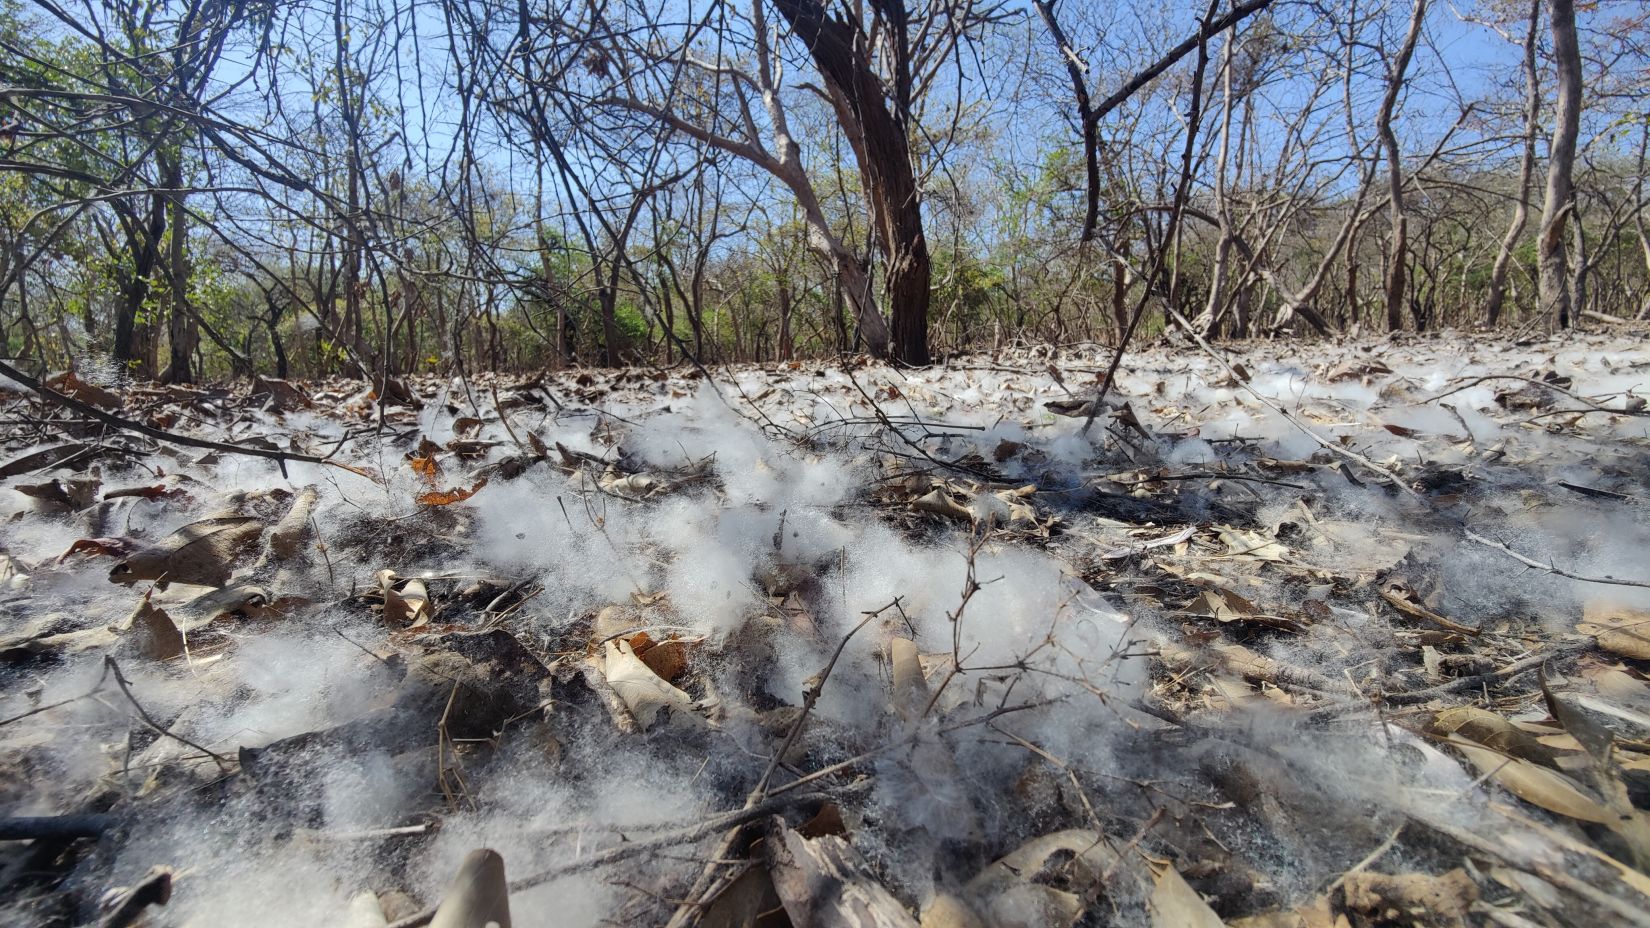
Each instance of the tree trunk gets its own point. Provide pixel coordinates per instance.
(839, 51)
(1560, 200)
(181, 344)
(1526, 168)
(1396, 285)
(143, 242)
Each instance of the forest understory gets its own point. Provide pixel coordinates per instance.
(1288, 635)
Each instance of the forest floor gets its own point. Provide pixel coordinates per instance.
(1299, 635)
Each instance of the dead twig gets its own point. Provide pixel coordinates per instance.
(125, 687)
(1550, 568)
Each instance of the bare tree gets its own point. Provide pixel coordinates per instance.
(1551, 252)
(1526, 170)
(1397, 250)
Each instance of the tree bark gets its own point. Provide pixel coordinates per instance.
(1526, 169)
(1560, 200)
(1396, 283)
(839, 51)
(179, 337)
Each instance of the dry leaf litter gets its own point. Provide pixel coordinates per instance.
(1344, 636)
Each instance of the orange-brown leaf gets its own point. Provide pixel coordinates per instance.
(448, 497)
(425, 467)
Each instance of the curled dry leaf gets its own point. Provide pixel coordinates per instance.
(939, 503)
(288, 537)
(668, 658)
(909, 684)
(448, 497)
(479, 895)
(1041, 884)
(642, 691)
(408, 607)
(113, 547)
(634, 486)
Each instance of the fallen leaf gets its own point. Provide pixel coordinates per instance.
(447, 498)
(70, 385)
(1251, 544)
(1532, 782)
(642, 691)
(1041, 883)
(479, 895)
(408, 607)
(202, 552)
(634, 486)
(152, 633)
(1442, 901)
(1492, 731)
(287, 538)
(1174, 904)
(113, 547)
(939, 502)
(1619, 629)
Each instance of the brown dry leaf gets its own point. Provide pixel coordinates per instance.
(113, 547)
(1241, 543)
(1619, 629)
(1174, 904)
(1224, 605)
(152, 633)
(408, 607)
(479, 895)
(1533, 783)
(668, 658)
(641, 690)
(1491, 731)
(282, 394)
(70, 385)
(448, 497)
(202, 553)
(1016, 891)
(426, 467)
(1439, 901)
(939, 503)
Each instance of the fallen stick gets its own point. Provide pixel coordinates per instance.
(55, 827)
(1550, 568)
